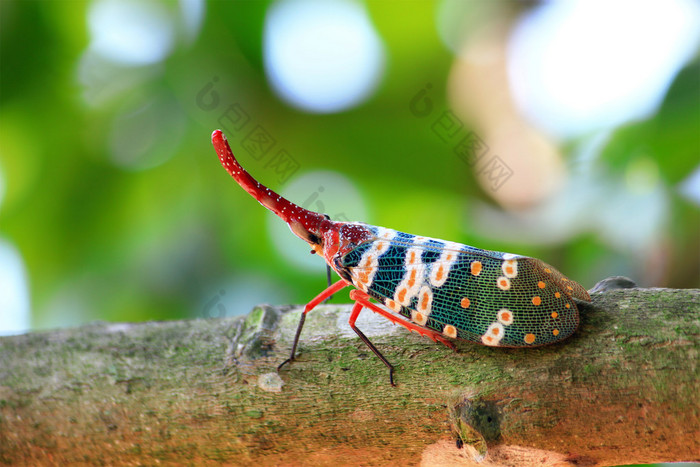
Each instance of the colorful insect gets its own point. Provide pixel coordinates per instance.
(442, 290)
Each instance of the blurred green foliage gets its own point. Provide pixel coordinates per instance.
(159, 236)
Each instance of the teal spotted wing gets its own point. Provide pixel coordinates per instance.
(483, 296)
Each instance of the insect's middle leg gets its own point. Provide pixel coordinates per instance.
(363, 298)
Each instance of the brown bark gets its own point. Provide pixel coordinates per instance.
(624, 389)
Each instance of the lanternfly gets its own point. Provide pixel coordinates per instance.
(442, 290)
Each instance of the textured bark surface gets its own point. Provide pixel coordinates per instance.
(624, 389)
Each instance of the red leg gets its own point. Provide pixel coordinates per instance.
(362, 298)
(310, 306)
(341, 284)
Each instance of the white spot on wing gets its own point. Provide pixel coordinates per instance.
(493, 334)
(425, 300)
(510, 268)
(440, 269)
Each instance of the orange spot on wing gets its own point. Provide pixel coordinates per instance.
(439, 273)
(569, 287)
(505, 317)
(557, 294)
(402, 294)
(363, 277)
(536, 300)
(495, 331)
(555, 332)
(465, 302)
(510, 268)
(503, 283)
(450, 331)
(412, 278)
(529, 338)
(568, 305)
(547, 270)
(424, 301)
(541, 285)
(554, 315)
(475, 268)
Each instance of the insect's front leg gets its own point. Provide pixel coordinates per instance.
(341, 284)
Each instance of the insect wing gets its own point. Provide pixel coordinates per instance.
(514, 301)
(464, 292)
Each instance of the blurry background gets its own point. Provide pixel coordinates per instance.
(568, 131)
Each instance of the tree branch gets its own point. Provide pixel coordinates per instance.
(623, 389)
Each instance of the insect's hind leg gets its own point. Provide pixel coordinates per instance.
(360, 297)
(353, 317)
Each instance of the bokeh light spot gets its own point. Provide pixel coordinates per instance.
(14, 292)
(321, 56)
(130, 32)
(690, 187)
(576, 68)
